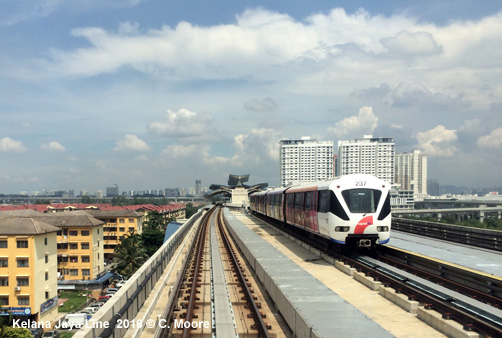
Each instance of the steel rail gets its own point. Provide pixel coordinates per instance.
(447, 276)
(195, 281)
(260, 324)
(442, 304)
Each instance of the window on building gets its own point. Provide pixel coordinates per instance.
(62, 259)
(23, 300)
(121, 220)
(73, 272)
(86, 272)
(22, 244)
(46, 259)
(86, 259)
(3, 244)
(4, 262)
(23, 281)
(122, 229)
(46, 276)
(84, 233)
(131, 220)
(73, 246)
(131, 229)
(4, 281)
(73, 233)
(47, 295)
(45, 241)
(23, 262)
(60, 233)
(4, 301)
(66, 272)
(74, 259)
(62, 246)
(84, 246)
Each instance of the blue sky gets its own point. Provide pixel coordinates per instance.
(155, 94)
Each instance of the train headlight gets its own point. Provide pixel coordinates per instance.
(342, 229)
(383, 229)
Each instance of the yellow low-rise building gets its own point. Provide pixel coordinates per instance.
(80, 254)
(28, 275)
(118, 223)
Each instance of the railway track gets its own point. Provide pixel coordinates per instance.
(218, 297)
(467, 313)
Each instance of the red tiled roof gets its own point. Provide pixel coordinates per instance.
(99, 206)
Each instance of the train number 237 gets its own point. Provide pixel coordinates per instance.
(360, 183)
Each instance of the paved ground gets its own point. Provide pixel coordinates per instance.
(392, 318)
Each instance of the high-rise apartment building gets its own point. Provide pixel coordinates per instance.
(112, 191)
(369, 155)
(305, 160)
(198, 187)
(411, 173)
(433, 188)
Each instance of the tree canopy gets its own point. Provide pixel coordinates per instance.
(130, 254)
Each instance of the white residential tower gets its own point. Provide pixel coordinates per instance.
(305, 160)
(369, 155)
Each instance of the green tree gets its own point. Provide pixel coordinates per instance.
(130, 254)
(152, 239)
(190, 210)
(43, 202)
(16, 332)
(119, 201)
(86, 199)
(5, 323)
(155, 220)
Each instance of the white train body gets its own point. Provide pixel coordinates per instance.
(352, 209)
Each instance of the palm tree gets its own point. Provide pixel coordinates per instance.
(130, 254)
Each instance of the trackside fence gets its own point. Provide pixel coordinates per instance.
(483, 238)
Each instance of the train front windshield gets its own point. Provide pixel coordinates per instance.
(362, 200)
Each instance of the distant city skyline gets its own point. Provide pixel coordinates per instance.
(157, 93)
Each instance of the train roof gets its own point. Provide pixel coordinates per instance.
(327, 184)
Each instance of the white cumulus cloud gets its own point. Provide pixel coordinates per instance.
(438, 142)
(491, 141)
(52, 146)
(131, 143)
(9, 145)
(409, 44)
(182, 123)
(258, 146)
(364, 123)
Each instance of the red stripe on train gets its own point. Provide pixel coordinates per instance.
(363, 224)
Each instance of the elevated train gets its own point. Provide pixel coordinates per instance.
(352, 210)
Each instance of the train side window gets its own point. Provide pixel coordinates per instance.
(324, 201)
(290, 200)
(308, 200)
(299, 198)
